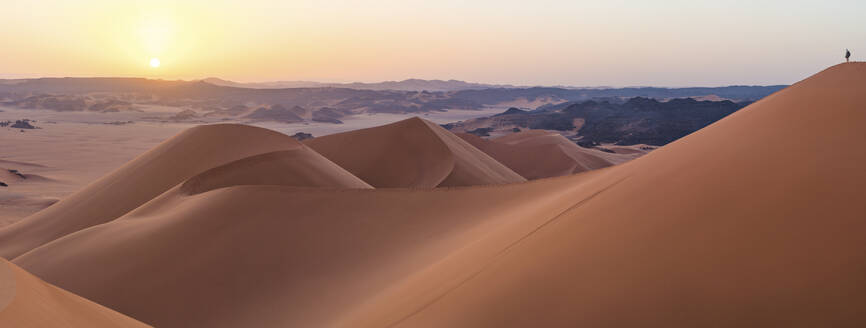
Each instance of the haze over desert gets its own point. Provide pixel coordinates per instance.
(411, 164)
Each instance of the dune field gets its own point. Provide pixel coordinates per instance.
(757, 220)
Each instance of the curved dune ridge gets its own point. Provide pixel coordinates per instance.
(175, 160)
(539, 154)
(739, 224)
(300, 167)
(27, 302)
(412, 153)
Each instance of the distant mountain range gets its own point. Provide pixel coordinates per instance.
(405, 85)
(592, 123)
(324, 104)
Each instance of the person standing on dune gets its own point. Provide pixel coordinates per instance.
(847, 55)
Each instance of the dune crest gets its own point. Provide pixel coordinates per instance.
(27, 302)
(299, 167)
(539, 154)
(740, 224)
(412, 153)
(175, 160)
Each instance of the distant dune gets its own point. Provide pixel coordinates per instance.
(412, 153)
(539, 154)
(405, 85)
(742, 224)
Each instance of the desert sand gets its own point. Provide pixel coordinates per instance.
(739, 224)
(27, 301)
(173, 161)
(536, 154)
(74, 149)
(412, 153)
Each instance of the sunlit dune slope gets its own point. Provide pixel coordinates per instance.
(175, 160)
(412, 153)
(274, 256)
(27, 302)
(746, 223)
(539, 154)
(742, 224)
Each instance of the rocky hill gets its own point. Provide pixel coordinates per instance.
(636, 121)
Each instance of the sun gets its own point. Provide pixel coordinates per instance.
(154, 62)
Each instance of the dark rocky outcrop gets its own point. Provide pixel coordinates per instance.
(301, 136)
(277, 113)
(19, 174)
(481, 132)
(329, 115)
(638, 120)
(512, 110)
(19, 124)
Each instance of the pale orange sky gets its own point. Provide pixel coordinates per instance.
(667, 43)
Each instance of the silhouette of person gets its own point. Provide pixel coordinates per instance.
(847, 55)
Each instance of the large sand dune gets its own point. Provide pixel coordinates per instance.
(272, 256)
(412, 153)
(539, 154)
(739, 224)
(28, 302)
(179, 158)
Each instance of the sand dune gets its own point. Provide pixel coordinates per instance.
(412, 153)
(187, 154)
(271, 256)
(299, 167)
(739, 224)
(27, 302)
(538, 154)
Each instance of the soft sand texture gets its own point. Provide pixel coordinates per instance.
(299, 167)
(412, 153)
(173, 161)
(536, 154)
(740, 224)
(27, 302)
(272, 256)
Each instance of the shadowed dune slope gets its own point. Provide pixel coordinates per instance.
(301, 167)
(175, 160)
(741, 224)
(27, 302)
(412, 153)
(539, 154)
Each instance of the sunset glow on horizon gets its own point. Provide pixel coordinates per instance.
(589, 43)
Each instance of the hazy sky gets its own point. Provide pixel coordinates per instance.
(537, 42)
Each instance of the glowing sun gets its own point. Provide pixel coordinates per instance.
(154, 62)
